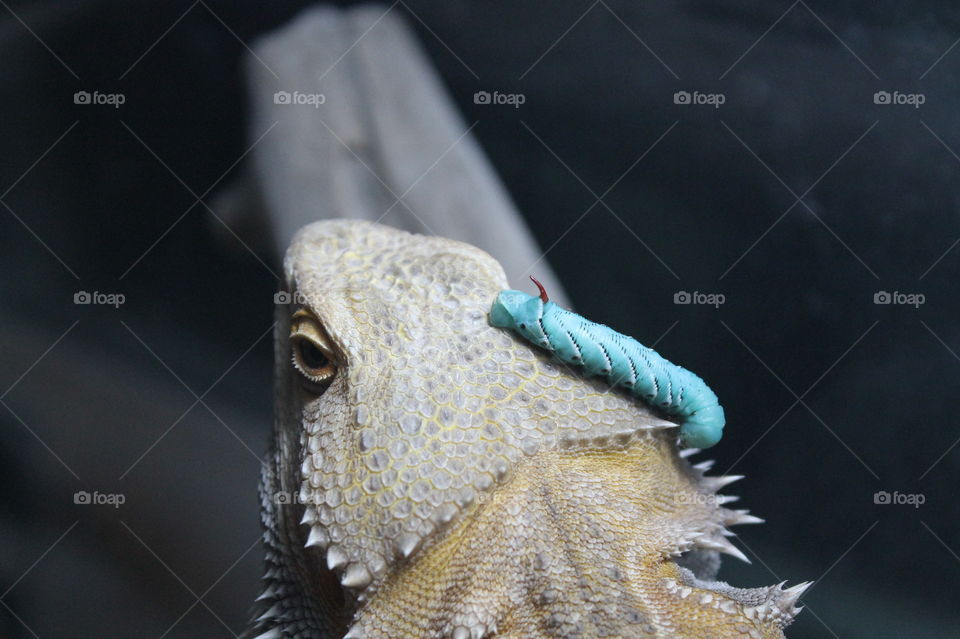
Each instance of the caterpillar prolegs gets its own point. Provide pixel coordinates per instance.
(622, 360)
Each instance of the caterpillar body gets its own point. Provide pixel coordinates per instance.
(622, 360)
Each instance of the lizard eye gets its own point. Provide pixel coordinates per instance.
(311, 357)
(312, 351)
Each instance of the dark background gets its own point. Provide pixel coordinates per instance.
(89, 393)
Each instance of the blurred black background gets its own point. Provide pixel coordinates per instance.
(830, 397)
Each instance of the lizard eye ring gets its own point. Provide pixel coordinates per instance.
(312, 353)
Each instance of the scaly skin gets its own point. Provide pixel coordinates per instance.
(453, 481)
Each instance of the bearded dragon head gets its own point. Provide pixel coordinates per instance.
(409, 427)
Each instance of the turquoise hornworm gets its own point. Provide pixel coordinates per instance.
(624, 361)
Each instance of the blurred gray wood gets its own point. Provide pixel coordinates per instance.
(191, 496)
(386, 130)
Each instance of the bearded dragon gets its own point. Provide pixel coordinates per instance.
(432, 476)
